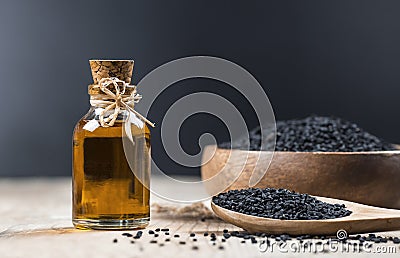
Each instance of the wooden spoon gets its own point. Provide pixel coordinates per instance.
(363, 219)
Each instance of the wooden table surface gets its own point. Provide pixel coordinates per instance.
(35, 221)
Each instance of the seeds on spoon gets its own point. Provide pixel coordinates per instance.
(279, 204)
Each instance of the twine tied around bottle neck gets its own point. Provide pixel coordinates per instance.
(115, 101)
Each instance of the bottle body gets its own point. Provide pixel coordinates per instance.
(108, 191)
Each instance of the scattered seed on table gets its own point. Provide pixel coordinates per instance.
(151, 232)
(225, 231)
(132, 242)
(182, 242)
(161, 244)
(195, 248)
(176, 235)
(227, 235)
(156, 235)
(221, 247)
(165, 229)
(194, 239)
(157, 229)
(192, 234)
(243, 241)
(205, 233)
(153, 241)
(167, 233)
(127, 234)
(202, 219)
(214, 243)
(285, 237)
(167, 240)
(223, 240)
(115, 240)
(138, 235)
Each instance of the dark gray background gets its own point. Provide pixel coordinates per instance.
(324, 57)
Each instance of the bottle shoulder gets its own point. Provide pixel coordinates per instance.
(117, 130)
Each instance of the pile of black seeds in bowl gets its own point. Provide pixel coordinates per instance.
(314, 133)
(279, 204)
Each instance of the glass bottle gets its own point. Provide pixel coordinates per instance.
(110, 184)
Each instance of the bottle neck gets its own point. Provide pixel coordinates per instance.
(113, 99)
(94, 114)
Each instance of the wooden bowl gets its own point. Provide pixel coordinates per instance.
(371, 178)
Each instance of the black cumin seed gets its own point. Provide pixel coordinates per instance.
(314, 133)
(278, 204)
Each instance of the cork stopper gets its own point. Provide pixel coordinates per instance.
(122, 69)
